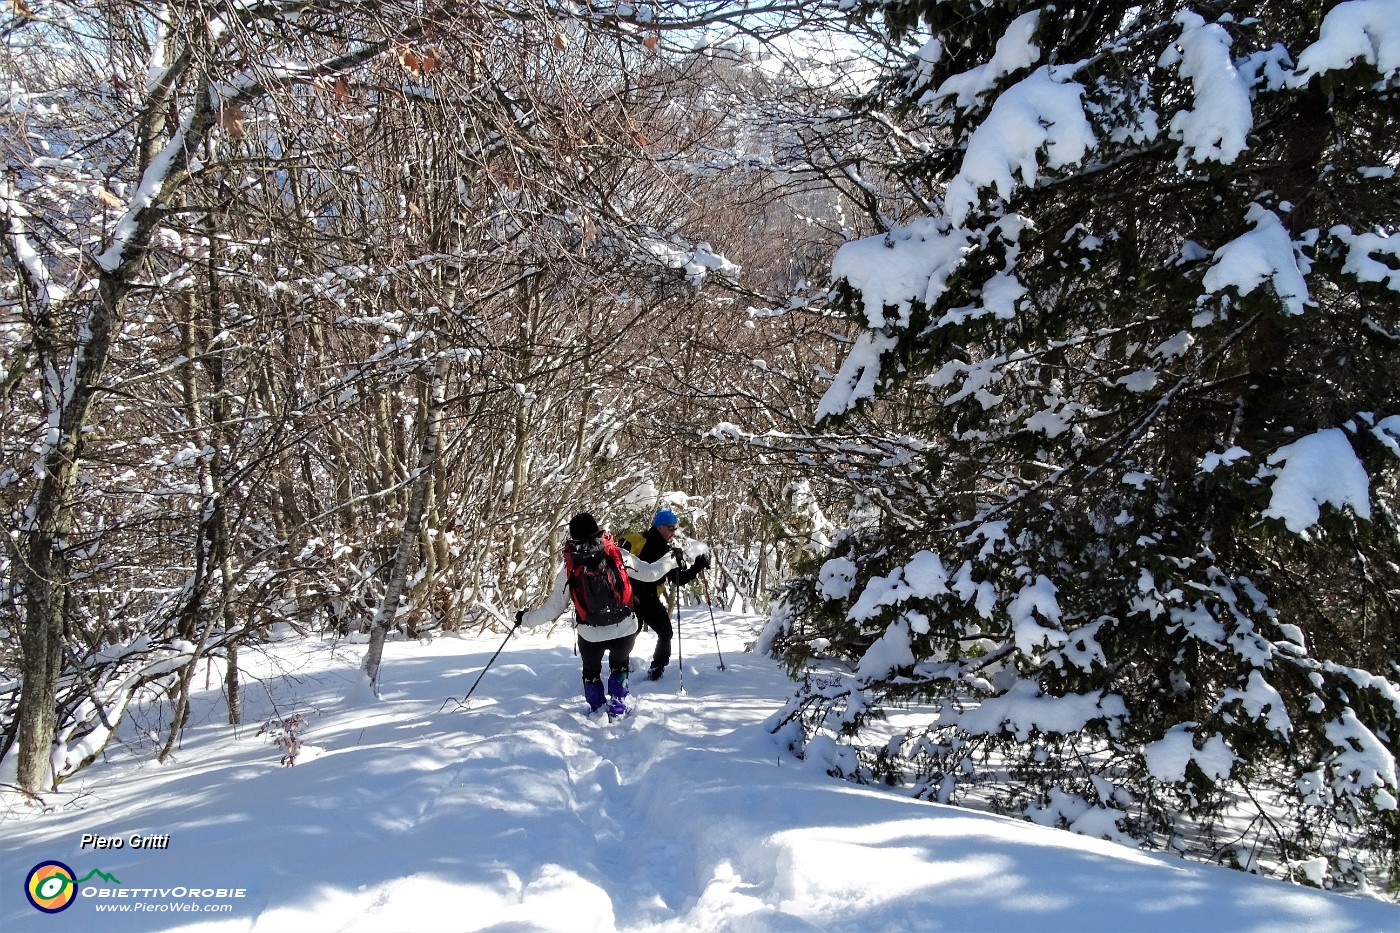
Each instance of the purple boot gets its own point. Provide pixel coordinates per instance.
(593, 693)
(617, 690)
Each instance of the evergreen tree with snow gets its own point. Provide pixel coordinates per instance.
(1143, 577)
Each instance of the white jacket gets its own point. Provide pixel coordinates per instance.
(559, 601)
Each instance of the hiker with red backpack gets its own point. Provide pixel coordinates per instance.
(597, 579)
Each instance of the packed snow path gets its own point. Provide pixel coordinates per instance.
(518, 813)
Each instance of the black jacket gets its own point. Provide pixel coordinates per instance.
(654, 547)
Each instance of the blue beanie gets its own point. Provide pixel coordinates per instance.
(665, 517)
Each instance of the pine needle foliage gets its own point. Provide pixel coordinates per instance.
(1164, 282)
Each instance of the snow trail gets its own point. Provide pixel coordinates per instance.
(520, 813)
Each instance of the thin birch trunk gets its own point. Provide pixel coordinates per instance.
(408, 533)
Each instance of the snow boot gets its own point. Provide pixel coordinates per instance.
(617, 692)
(655, 673)
(617, 683)
(593, 693)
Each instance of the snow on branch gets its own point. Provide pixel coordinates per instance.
(1264, 254)
(906, 265)
(1362, 762)
(1168, 757)
(153, 181)
(1217, 127)
(1358, 31)
(45, 290)
(120, 672)
(1320, 469)
(922, 578)
(1371, 257)
(1039, 120)
(1015, 50)
(1387, 431)
(698, 263)
(1025, 709)
(858, 376)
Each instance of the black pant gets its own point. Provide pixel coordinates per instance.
(619, 651)
(655, 616)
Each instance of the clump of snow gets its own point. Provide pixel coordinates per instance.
(982, 595)
(1314, 869)
(1168, 757)
(1040, 117)
(836, 578)
(1387, 431)
(1216, 128)
(1357, 31)
(1320, 469)
(1036, 597)
(1362, 761)
(978, 376)
(890, 652)
(1141, 381)
(923, 577)
(1014, 50)
(1265, 254)
(1364, 256)
(697, 262)
(1212, 460)
(1024, 709)
(1080, 816)
(1050, 423)
(858, 376)
(1261, 701)
(908, 264)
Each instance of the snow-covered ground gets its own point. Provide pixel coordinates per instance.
(518, 813)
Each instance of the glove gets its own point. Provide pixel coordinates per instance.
(702, 561)
(679, 555)
(519, 617)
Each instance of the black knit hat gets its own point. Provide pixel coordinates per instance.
(583, 526)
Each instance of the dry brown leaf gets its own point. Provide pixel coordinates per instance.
(232, 119)
(337, 86)
(409, 59)
(418, 62)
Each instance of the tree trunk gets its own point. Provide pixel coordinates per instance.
(43, 567)
(408, 533)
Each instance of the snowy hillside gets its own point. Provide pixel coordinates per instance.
(519, 814)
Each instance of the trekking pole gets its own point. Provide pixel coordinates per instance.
(680, 652)
(705, 582)
(462, 703)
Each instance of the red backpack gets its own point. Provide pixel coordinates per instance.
(598, 583)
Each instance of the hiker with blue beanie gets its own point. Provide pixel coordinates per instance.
(651, 546)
